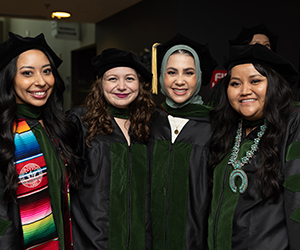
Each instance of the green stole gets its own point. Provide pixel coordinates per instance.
(119, 113)
(190, 110)
(55, 173)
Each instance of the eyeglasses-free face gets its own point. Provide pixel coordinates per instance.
(180, 78)
(120, 86)
(247, 91)
(34, 81)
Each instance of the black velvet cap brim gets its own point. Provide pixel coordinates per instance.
(258, 53)
(16, 45)
(207, 62)
(112, 58)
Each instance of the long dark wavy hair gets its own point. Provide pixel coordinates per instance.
(140, 112)
(54, 120)
(277, 108)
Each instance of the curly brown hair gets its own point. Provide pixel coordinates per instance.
(140, 112)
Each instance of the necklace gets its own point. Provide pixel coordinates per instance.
(176, 130)
(236, 164)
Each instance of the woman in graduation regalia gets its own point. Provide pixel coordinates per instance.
(38, 158)
(111, 208)
(256, 34)
(180, 137)
(255, 154)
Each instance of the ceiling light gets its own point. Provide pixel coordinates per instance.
(60, 14)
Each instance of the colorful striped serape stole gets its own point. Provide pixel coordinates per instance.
(39, 230)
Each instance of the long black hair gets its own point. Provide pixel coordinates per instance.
(277, 108)
(54, 119)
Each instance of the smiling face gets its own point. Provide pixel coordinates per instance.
(247, 91)
(120, 86)
(261, 39)
(180, 77)
(34, 81)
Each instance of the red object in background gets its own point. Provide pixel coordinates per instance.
(216, 76)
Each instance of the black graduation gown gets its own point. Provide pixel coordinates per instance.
(10, 222)
(179, 183)
(244, 221)
(110, 209)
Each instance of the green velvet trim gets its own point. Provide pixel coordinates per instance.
(292, 183)
(246, 145)
(296, 215)
(219, 174)
(174, 197)
(55, 174)
(4, 225)
(159, 186)
(119, 113)
(293, 151)
(222, 234)
(29, 111)
(138, 190)
(190, 110)
(179, 193)
(118, 205)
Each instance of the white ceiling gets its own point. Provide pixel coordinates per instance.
(86, 11)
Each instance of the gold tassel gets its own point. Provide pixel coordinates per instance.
(154, 68)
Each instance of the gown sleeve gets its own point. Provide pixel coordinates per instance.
(87, 206)
(89, 203)
(10, 238)
(74, 115)
(291, 173)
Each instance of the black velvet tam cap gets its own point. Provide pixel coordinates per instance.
(207, 62)
(16, 45)
(258, 53)
(246, 35)
(112, 58)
